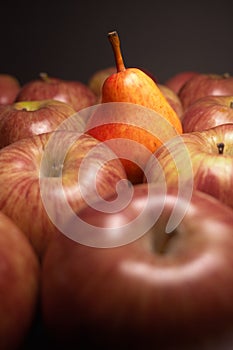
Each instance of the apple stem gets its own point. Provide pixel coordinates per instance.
(44, 76)
(220, 147)
(115, 42)
(231, 104)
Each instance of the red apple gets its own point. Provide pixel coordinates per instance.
(172, 98)
(44, 178)
(19, 285)
(176, 81)
(9, 88)
(164, 290)
(28, 118)
(205, 85)
(207, 112)
(202, 160)
(132, 131)
(75, 93)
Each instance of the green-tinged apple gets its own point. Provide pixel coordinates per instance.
(133, 90)
(73, 92)
(19, 285)
(201, 85)
(207, 112)
(28, 118)
(210, 155)
(97, 79)
(44, 178)
(9, 88)
(172, 98)
(164, 290)
(176, 81)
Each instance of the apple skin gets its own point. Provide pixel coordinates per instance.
(28, 118)
(211, 171)
(96, 81)
(30, 170)
(176, 81)
(75, 93)
(208, 112)
(203, 85)
(9, 88)
(135, 132)
(136, 294)
(173, 99)
(19, 284)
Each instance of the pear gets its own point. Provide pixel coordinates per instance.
(135, 86)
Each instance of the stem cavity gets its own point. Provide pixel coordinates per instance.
(220, 147)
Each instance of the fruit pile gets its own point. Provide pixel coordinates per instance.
(116, 210)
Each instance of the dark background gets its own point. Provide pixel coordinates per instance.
(69, 39)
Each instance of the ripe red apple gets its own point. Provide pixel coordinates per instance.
(172, 98)
(203, 85)
(28, 118)
(75, 93)
(132, 131)
(19, 285)
(164, 290)
(44, 178)
(202, 158)
(9, 88)
(207, 112)
(176, 81)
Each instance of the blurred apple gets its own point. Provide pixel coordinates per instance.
(176, 81)
(207, 112)
(96, 81)
(19, 285)
(210, 155)
(134, 295)
(44, 178)
(9, 88)
(173, 99)
(28, 118)
(75, 93)
(205, 85)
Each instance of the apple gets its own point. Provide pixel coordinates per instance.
(207, 112)
(162, 290)
(97, 79)
(28, 118)
(176, 81)
(172, 98)
(202, 158)
(44, 178)
(73, 92)
(9, 88)
(203, 85)
(132, 131)
(19, 284)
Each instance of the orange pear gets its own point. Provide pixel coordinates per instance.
(135, 86)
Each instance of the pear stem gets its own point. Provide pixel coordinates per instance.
(115, 42)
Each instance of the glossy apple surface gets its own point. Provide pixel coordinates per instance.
(75, 93)
(132, 131)
(19, 284)
(172, 98)
(205, 85)
(178, 283)
(45, 177)
(208, 152)
(176, 81)
(9, 88)
(28, 118)
(207, 112)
